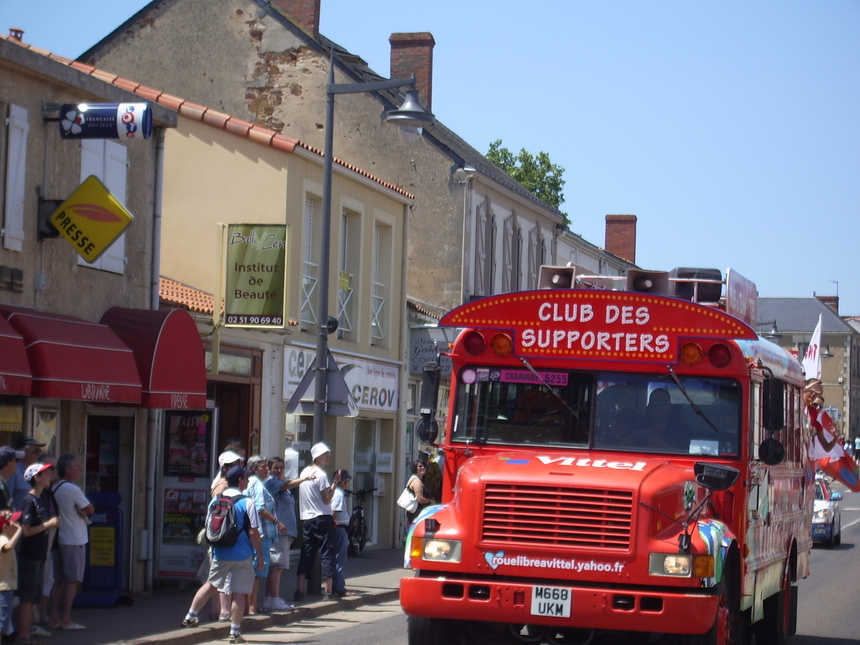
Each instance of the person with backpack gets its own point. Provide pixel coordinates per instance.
(232, 528)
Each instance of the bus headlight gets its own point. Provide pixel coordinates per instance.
(681, 565)
(442, 550)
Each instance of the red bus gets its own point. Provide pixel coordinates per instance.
(616, 461)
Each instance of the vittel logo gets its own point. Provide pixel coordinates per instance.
(90, 392)
(587, 462)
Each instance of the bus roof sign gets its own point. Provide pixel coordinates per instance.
(594, 324)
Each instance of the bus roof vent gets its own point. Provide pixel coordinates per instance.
(696, 285)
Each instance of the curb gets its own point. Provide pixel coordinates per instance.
(220, 631)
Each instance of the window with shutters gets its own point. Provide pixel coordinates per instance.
(310, 266)
(108, 161)
(17, 129)
(485, 243)
(382, 271)
(350, 261)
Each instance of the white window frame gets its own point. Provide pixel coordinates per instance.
(17, 130)
(108, 161)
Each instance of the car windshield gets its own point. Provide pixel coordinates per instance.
(612, 411)
(819, 491)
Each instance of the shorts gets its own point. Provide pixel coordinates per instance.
(266, 545)
(241, 574)
(31, 577)
(279, 553)
(69, 562)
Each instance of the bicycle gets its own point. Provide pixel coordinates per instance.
(357, 527)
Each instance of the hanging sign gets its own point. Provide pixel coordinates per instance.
(91, 219)
(105, 121)
(256, 275)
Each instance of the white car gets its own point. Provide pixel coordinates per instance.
(826, 518)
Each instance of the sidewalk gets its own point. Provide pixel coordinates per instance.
(155, 618)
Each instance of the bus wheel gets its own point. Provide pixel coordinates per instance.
(779, 616)
(730, 624)
(426, 631)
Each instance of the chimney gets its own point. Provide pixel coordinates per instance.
(621, 236)
(413, 54)
(830, 301)
(304, 13)
(16, 34)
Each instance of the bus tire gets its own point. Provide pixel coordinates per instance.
(421, 630)
(731, 625)
(780, 616)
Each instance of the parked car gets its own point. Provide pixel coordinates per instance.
(826, 518)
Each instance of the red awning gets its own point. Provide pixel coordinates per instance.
(74, 359)
(169, 355)
(15, 375)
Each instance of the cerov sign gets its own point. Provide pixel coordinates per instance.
(91, 219)
(256, 275)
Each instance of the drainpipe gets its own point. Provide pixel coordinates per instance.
(149, 533)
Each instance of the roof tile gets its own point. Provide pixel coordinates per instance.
(237, 127)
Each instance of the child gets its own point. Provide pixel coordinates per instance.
(10, 533)
(34, 547)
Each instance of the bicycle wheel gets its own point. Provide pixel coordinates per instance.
(352, 529)
(361, 537)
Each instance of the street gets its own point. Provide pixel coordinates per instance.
(828, 612)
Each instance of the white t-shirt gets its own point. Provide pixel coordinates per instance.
(338, 507)
(311, 502)
(73, 528)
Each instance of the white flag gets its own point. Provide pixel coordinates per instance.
(812, 358)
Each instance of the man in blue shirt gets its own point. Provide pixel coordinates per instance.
(235, 561)
(32, 449)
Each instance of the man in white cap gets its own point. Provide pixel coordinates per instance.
(315, 494)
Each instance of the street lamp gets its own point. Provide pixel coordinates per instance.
(410, 120)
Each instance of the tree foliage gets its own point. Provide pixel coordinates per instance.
(536, 172)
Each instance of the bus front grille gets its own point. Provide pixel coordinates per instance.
(557, 516)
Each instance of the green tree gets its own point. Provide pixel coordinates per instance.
(536, 172)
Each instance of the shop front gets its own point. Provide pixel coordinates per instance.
(367, 444)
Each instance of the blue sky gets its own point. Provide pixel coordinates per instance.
(730, 129)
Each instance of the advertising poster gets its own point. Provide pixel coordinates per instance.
(187, 452)
(184, 515)
(256, 276)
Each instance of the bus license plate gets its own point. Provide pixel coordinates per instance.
(551, 601)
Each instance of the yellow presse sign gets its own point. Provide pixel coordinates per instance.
(91, 219)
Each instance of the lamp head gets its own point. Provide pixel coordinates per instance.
(410, 118)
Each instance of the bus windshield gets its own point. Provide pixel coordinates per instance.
(603, 410)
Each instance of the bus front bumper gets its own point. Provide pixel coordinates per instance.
(666, 611)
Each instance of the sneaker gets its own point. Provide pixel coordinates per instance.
(236, 638)
(329, 596)
(298, 596)
(266, 606)
(190, 622)
(224, 618)
(278, 604)
(39, 632)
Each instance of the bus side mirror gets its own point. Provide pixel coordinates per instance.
(771, 452)
(427, 430)
(715, 477)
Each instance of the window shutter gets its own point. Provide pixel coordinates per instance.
(116, 178)
(16, 165)
(108, 161)
(308, 231)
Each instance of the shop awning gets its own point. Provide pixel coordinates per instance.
(74, 359)
(15, 375)
(169, 355)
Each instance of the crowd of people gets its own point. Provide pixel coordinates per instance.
(43, 536)
(245, 576)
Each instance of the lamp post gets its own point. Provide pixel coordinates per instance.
(410, 119)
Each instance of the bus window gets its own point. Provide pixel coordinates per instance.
(650, 413)
(513, 406)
